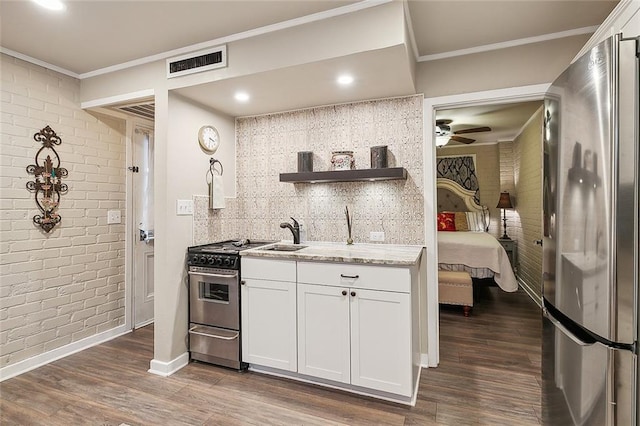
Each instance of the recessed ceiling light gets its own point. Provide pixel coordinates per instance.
(51, 4)
(241, 96)
(345, 80)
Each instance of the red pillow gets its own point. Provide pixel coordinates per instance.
(446, 222)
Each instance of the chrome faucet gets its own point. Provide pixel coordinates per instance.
(295, 230)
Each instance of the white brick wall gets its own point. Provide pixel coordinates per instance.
(60, 287)
(528, 203)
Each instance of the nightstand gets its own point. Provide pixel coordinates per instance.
(511, 248)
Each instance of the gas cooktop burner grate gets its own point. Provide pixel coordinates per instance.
(221, 254)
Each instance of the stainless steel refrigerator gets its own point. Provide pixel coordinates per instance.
(590, 247)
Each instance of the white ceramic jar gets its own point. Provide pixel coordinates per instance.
(343, 160)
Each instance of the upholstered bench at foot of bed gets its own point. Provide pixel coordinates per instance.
(456, 288)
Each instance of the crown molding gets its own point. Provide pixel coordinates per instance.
(38, 62)
(529, 121)
(622, 11)
(507, 44)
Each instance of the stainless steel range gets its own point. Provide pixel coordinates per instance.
(214, 301)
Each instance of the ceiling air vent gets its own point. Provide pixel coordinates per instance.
(144, 110)
(204, 60)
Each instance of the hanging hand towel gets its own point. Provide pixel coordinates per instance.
(216, 192)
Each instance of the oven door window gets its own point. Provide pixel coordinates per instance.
(213, 292)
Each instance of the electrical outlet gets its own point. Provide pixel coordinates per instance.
(113, 216)
(184, 207)
(376, 236)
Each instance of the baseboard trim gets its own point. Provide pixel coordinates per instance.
(165, 369)
(424, 361)
(532, 294)
(32, 363)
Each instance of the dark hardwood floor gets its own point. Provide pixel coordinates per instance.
(489, 374)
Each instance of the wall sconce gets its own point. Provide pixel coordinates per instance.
(504, 203)
(47, 185)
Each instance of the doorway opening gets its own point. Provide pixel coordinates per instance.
(496, 149)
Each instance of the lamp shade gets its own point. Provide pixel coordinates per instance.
(505, 201)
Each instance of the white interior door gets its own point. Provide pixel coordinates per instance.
(143, 226)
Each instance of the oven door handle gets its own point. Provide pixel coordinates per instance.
(192, 331)
(206, 274)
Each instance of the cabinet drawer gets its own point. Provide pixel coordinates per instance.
(268, 269)
(355, 276)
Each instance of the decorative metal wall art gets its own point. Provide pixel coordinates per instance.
(47, 185)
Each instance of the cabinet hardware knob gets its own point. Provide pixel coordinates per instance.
(353, 294)
(350, 276)
(344, 292)
(243, 282)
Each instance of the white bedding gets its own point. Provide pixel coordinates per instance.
(476, 250)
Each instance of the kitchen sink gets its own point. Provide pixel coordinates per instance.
(284, 247)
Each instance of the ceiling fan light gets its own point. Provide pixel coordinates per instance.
(443, 130)
(51, 4)
(442, 140)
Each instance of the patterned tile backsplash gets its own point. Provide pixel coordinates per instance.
(268, 145)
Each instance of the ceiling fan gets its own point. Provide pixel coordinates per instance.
(444, 135)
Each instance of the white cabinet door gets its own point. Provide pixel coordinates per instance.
(269, 323)
(323, 332)
(381, 341)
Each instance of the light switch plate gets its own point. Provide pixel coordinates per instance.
(184, 207)
(113, 216)
(376, 236)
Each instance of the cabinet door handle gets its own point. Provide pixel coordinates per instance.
(350, 276)
(538, 242)
(353, 294)
(344, 292)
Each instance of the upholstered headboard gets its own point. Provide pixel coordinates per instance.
(452, 197)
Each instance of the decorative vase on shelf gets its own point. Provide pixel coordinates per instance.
(343, 160)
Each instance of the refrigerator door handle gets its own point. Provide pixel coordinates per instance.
(575, 339)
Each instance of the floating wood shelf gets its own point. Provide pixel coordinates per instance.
(389, 173)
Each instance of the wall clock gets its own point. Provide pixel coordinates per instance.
(209, 139)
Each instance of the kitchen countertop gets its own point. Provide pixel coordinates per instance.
(376, 254)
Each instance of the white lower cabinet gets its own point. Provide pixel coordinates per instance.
(348, 324)
(355, 335)
(323, 332)
(381, 341)
(268, 313)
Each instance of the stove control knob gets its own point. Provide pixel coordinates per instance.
(211, 260)
(227, 262)
(219, 261)
(196, 258)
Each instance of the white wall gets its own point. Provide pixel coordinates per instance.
(181, 168)
(530, 64)
(185, 119)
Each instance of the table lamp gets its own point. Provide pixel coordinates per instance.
(504, 203)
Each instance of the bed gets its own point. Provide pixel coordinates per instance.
(473, 250)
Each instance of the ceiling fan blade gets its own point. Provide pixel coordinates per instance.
(462, 140)
(472, 130)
